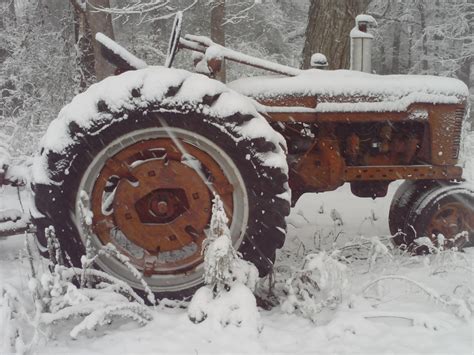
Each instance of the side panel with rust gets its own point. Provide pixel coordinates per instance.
(445, 129)
(421, 143)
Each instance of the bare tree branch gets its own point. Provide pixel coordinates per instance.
(144, 9)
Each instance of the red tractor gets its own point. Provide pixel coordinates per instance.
(146, 150)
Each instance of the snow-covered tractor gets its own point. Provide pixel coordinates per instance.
(146, 150)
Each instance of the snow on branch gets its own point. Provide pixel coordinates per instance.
(459, 306)
(58, 299)
(241, 14)
(104, 281)
(320, 283)
(11, 316)
(145, 9)
(99, 298)
(109, 250)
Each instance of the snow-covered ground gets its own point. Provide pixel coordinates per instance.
(395, 316)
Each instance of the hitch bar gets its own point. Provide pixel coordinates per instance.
(201, 44)
(11, 175)
(13, 222)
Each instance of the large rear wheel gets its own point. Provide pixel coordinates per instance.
(150, 176)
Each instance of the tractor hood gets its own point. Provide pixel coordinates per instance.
(352, 91)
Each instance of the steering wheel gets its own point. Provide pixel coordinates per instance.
(174, 39)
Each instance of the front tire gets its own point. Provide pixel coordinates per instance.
(447, 213)
(430, 210)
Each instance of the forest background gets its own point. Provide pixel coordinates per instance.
(47, 50)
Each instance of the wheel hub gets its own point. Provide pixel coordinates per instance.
(162, 206)
(167, 198)
(450, 220)
(159, 208)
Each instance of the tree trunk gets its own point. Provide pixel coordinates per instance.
(7, 12)
(7, 16)
(410, 43)
(471, 90)
(329, 25)
(396, 42)
(424, 45)
(85, 52)
(100, 22)
(217, 30)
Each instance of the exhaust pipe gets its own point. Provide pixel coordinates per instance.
(361, 44)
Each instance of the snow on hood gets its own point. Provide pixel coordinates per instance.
(384, 92)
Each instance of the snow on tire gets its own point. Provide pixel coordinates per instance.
(149, 148)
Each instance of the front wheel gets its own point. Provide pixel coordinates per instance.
(444, 215)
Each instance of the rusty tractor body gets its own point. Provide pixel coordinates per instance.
(335, 136)
(367, 149)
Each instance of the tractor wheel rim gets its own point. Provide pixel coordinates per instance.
(451, 220)
(150, 201)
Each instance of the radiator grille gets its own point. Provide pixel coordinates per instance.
(456, 125)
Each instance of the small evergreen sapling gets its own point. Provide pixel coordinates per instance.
(227, 298)
(223, 264)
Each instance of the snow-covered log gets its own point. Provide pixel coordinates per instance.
(117, 55)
